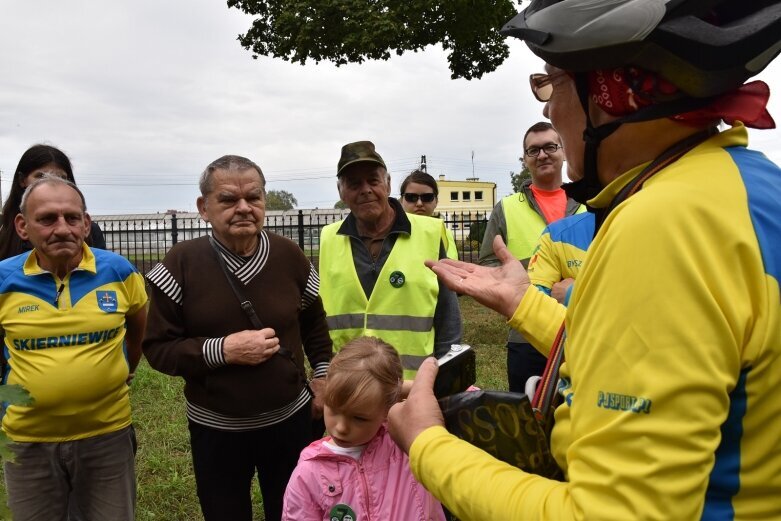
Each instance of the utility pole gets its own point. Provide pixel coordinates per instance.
(423, 164)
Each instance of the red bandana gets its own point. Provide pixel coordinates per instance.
(621, 91)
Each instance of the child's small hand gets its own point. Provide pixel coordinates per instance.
(419, 411)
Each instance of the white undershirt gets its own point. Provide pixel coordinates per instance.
(353, 452)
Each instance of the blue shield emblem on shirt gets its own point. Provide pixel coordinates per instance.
(107, 301)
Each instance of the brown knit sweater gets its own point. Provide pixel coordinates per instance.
(193, 308)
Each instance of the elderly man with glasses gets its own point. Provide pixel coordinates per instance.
(520, 219)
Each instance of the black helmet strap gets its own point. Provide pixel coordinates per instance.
(589, 186)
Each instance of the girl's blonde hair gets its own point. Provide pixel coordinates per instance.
(361, 366)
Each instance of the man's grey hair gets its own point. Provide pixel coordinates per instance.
(230, 163)
(49, 180)
(387, 178)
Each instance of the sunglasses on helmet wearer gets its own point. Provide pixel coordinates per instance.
(542, 85)
(413, 198)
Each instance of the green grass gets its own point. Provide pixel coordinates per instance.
(486, 331)
(166, 485)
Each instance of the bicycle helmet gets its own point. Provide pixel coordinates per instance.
(705, 47)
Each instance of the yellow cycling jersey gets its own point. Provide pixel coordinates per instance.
(64, 343)
(672, 361)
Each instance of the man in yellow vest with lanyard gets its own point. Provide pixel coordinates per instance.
(520, 218)
(372, 277)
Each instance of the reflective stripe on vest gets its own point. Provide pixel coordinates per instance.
(404, 316)
(411, 364)
(400, 322)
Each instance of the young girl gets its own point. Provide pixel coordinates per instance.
(358, 472)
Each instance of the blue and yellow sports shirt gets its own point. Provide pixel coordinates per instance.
(64, 343)
(560, 251)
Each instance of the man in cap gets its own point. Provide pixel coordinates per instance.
(673, 353)
(373, 280)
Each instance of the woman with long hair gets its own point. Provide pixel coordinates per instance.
(37, 161)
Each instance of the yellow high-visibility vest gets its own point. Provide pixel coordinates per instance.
(452, 250)
(524, 224)
(401, 307)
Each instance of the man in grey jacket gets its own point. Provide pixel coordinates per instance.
(520, 218)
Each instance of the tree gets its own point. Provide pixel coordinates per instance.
(352, 31)
(340, 205)
(518, 179)
(280, 200)
(477, 231)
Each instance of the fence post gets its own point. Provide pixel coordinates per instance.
(174, 231)
(301, 229)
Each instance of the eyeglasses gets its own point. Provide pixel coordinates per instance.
(413, 198)
(542, 85)
(548, 148)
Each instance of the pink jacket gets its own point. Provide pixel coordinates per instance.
(377, 487)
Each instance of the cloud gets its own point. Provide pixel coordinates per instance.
(143, 95)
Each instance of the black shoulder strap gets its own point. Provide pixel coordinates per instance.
(246, 305)
(244, 302)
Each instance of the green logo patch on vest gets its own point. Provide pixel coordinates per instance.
(342, 512)
(397, 279)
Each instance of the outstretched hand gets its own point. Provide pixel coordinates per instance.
(499, 288)
(407, 419)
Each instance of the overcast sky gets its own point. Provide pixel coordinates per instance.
(142, 95)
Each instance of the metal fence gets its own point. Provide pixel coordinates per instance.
(145, 239)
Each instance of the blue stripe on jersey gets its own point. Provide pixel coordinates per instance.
(762, 179)
(568, 294)
(724, 482)
(17, 282)
(543, 289)
(577, 230)
(111, 268)
(11, 264)
(7, 367)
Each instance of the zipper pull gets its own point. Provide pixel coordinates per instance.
(59, 293)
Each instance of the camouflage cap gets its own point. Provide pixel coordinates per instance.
(358, 152)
